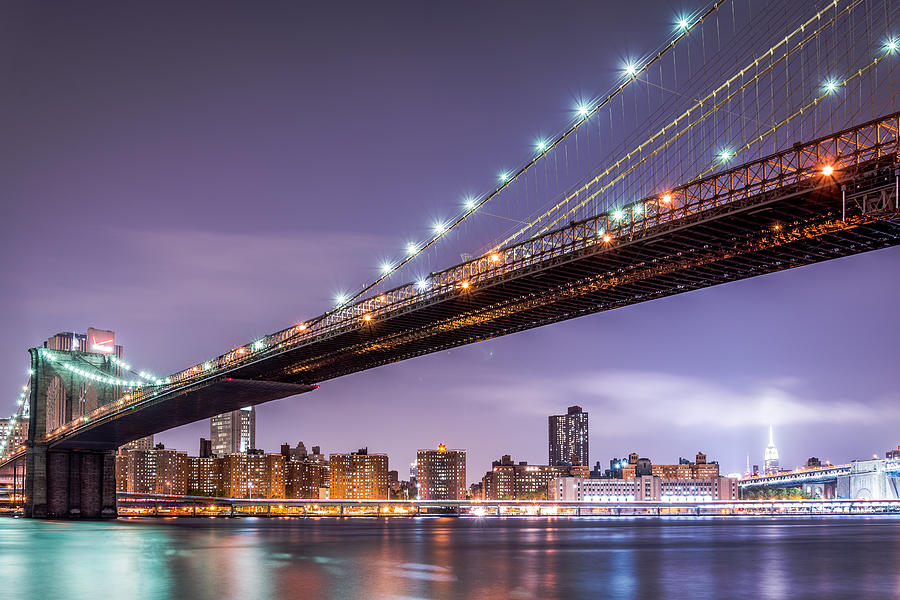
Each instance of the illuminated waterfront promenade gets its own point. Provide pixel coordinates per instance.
(152, 505)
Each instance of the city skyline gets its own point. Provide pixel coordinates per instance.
(725, 362)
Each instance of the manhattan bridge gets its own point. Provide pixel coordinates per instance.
(758, 137)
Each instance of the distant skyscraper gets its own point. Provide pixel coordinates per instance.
(569, 438)
(771, 463)
(441, 474)
(233, 432)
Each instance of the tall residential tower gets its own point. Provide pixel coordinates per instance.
(233, 432)
(569, 438)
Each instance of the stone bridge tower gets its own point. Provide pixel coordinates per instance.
(63, 481)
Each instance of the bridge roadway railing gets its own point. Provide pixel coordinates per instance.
(801, 164)
(805, 476)
(151, 505)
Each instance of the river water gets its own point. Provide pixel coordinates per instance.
(405, 559)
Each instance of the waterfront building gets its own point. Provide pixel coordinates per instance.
(233, 432)
(17, 431)
(510, 481)
(305, 479)
(700, 468)
(568, 438)
(359, 476)
(156, 471)
(253, 474)
(771, 465)
(205, 478)
(441, 474)
(643, 488)
(893, 454)
(121, 471)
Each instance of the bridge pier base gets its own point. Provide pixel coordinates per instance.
(70, 484)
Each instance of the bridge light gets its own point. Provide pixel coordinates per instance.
(618, 214)
(607, 238)
(469, 203)
(386, 268)
(827, 170)
(495, 257)
(422, 284)
(411, 248)
(630, 69)
(464, 285)
(683, 24)
(541, 145)
(341, 299)
(503, 176)
(831, 85)
(583, 110)
(667, 199)
(301, 327)
(439, 227)
(367, 317)
(725, 155)
(892, 45)
(637, 209)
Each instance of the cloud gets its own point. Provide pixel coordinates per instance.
(175, 273)
(660, 400)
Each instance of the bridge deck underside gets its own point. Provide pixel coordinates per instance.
(798, 225)
(188, 406)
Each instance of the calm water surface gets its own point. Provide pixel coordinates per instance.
(451, 558)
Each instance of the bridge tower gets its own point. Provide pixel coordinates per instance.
(70, 482)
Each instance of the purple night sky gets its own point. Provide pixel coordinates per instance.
(195, 176)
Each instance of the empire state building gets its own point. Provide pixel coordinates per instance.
(771, 464)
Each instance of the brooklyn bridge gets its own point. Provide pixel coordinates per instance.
(777, 154)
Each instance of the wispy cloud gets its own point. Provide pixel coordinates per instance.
(662, 400)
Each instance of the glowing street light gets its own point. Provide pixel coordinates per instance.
(683, 24)
(422, 284)
(583, 110)
(541, 145)
(339, 299)
(827, 170)
(892, 45)
(439, 228)
(631, 69)
(503, 176)
(367, 318)
(618, 214)
(667, 199)
(725, 155)
(411, 248)
(495, 257)
(831, 85)
(469, 203)
(386, 268)
(464, 285)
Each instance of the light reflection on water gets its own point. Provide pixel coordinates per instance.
(429, 558)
